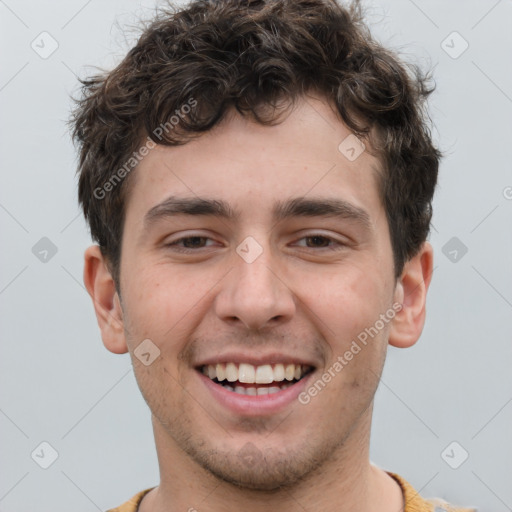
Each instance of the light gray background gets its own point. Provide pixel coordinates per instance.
(60, 385)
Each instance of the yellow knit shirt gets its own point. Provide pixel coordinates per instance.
(413, 501)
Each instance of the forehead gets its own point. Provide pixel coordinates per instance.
(253, 166)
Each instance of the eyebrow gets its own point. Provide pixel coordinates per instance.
(173, 206)
(282, 210)
(320, 207)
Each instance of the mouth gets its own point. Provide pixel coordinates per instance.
(247, 379)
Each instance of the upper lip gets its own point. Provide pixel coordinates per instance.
(255, 359)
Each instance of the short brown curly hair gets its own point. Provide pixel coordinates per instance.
(251, 55)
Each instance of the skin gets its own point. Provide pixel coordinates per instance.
(303, 296)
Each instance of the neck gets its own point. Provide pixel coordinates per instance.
(346, 482)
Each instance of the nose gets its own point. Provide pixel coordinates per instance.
(255, 294)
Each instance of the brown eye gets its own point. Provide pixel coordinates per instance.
(193, 242)
(318, 241)
(189, 243)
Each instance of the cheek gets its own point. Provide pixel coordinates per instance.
(161, 389)
(347, 300)
(158, 301)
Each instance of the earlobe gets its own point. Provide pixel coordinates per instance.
(101, 287)
(411, 292)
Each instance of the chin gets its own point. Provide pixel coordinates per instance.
(265, 470)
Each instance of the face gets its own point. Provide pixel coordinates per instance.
(258, 253)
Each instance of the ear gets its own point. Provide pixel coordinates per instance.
(101, 288)
(411, 292)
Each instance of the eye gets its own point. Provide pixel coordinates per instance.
(189, 243)
(321, 242)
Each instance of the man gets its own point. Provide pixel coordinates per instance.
(258, 176)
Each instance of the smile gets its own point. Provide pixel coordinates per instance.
(247, 379)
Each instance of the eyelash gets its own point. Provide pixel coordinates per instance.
(186, 250)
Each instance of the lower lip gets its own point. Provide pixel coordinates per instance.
(258, 405)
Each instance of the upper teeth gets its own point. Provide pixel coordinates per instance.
(264, 374)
